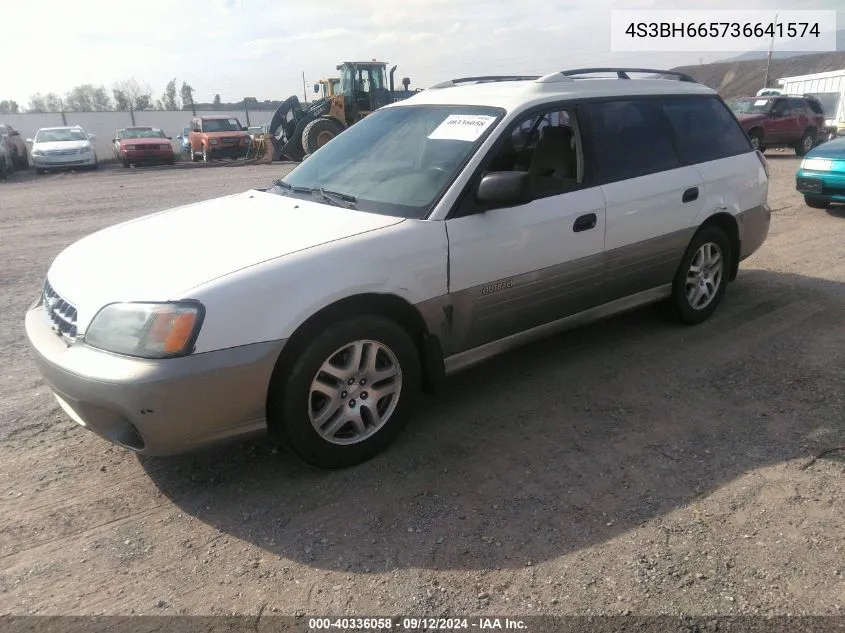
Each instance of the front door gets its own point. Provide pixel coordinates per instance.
(516, 268)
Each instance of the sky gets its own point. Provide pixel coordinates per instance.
(260, 48)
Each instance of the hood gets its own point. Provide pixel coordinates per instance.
(235, 133)
(145, 141)
(46, 147)
(162, 256)
(834, 149)
(750, 118)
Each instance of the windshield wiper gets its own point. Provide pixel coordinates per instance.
(344, 200)
(289, 187)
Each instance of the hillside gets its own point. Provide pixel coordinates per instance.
(744, 78)
(840, 46)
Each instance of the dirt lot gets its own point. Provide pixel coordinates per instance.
(629, 467)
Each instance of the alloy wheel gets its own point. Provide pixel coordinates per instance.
(704, 276)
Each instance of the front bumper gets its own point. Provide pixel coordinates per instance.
(821, 184)
(59, 162)
(156, 407)
(147, 155)
(229, 151)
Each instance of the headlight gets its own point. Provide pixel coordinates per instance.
(148, 330)
(213, 141)
(817, 164)
(85, 149)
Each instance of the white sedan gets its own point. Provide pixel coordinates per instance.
(62, 148)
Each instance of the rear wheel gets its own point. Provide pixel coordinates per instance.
(319, 132)
(349, 394)
(816, 203)
(702, 277)
(806, 143)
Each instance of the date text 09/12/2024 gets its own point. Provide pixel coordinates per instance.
(417, 624)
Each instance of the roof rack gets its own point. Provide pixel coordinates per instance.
(483, 79)
(623, 73)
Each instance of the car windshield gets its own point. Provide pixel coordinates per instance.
(143, 133)
(751, 106)
(396, 161)
(54, 136)
(221, 125)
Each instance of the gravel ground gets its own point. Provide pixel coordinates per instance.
(628, 467)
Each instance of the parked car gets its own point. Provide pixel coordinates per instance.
(217, 136)
(778, 121)
(821, 176)
(63, 148)
(142, 145)
(185, 139)
(15, 144)
(417, 243)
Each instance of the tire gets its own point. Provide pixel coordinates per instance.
(756, 137)
(678, 306)
(816, 203)
(194, 156)
(23, 163)
(126, 163)
(206, 156)
(319, 132)
(807, 142)
(293, 403)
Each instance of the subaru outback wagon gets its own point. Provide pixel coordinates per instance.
(437, 232)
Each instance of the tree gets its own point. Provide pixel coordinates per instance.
(45, 103)
(88, 98)
(216, 100)
(169, 101)
(131, 94)
(187, 93)
(9, 107)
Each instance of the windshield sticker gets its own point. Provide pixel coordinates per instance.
(761, 102)
(462, 127)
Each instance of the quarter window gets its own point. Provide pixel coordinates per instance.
(704, 129)
(631, 138)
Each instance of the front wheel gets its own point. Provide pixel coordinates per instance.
(816, 203)
(349, 394)
(702, 278)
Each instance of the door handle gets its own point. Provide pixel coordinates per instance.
(585, 222)
(690, 194)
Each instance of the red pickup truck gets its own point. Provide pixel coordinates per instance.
(781, 121)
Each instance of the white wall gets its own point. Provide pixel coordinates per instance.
(812, 84)
(104, 124)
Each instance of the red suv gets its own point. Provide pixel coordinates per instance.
(781, 121)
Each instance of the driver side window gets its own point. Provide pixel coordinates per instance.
(547, 145)
(781, 107)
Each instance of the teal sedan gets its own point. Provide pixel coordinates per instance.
(821, 177)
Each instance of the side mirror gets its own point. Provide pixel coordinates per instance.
(244, 128)
(169, 138)
(114, 140)
(505, 189)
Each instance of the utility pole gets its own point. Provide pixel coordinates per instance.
(304, 89)
(769, 56)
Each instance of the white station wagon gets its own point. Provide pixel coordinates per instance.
(437, 232)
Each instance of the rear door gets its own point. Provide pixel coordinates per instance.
(779, 127)
(651, 198)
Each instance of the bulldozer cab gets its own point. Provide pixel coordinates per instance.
(364, 87)
(328, 87)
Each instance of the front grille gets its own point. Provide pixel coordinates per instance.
(62, 314)
(230, 141)
(144, 146)
(62, 152)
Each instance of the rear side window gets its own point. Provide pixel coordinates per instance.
(704, 129)
(630, 139)
(815, 106)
